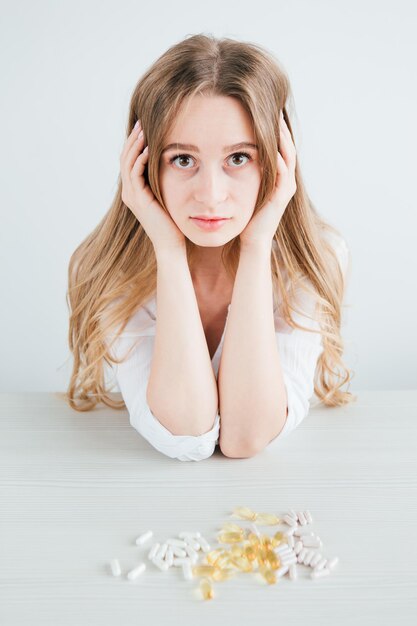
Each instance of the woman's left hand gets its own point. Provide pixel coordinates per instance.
(261, 228)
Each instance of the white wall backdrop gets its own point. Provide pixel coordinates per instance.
(68, 69)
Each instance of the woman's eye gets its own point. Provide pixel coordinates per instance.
(184, 157)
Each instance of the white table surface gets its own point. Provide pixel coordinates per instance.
(78, 488)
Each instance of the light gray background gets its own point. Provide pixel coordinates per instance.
(68, 70)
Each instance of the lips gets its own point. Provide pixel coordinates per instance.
(208, 219)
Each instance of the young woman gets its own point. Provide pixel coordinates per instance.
(212, 283)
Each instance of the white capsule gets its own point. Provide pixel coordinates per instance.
(319, 573)
(178, 561)
(293, 514)
(308, 517)
(153, 551)
(302, 519)
(144, 537)
(289, 520)
(169, 557)
(318, 557)
(186, 534)
(192, 542)
(320, 565)
(291, 541)
(283, 549)
(178, 551)
(172, 541)
(191, 553)
(303, 530)
(331, 564)
(288, 559)
(115, 567)
(301, 555)
(292, 572)
(163, 565)
(298, 547)
(205, 546)
(187, 570)
(290, 531)
(311, 541)
(162, 551)
(308, 557)
(134, 573)
(282, 570)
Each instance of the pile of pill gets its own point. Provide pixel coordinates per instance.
(249, 551)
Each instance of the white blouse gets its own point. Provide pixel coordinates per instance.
(299, 351)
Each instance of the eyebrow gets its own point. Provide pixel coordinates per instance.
(189, 146)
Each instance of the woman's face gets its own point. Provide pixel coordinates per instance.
(212, 178)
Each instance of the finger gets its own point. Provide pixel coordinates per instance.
(132, 154)
(286, 147)
(138, 168)
(130, 140)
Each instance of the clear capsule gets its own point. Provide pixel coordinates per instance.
(206, 589)
(244, 513)
(267, 519)
(230, 537)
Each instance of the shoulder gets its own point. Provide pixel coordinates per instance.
(141, 323)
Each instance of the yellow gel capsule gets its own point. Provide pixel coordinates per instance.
(278, 538)
(223, 561)
(244, 513)
(272, 559)
(241, 563)
(206, 589)
(203, 570)
(254, 539)
(230, 537)
(237, 550)
(228, 527)
(223, 574)
(269, 576)
(250, 553)
(213, 556)
(267, 519)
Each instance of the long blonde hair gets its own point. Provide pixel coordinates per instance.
(116, 262)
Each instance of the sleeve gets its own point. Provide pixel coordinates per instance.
(132, 375)
(300, 350)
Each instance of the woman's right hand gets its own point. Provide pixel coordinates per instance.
(139, 198)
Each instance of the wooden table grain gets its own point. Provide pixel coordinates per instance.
(78, 488)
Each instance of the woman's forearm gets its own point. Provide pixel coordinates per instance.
(182, 389)
(251, 388)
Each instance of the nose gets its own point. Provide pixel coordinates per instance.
(210, 188)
